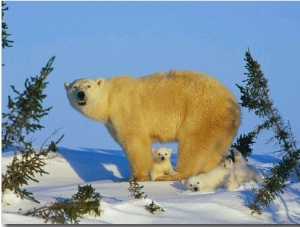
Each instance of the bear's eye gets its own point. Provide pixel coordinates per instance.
(197, 182)
(158, 153)
(191, 185)
(166, 154)
(89, 86)
(74, 87)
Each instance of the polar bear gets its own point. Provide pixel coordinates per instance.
(161, 163)
(243, 171)
(187, 107)
(218, 177)
(228, 163)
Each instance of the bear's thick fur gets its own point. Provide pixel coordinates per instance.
(243, 171)
(189, 107)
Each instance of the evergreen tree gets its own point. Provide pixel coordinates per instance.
(255, 97)
(243, 144)
(26, 110)
(152, 207)
(85, 201)
(5, 35)
(135, 189)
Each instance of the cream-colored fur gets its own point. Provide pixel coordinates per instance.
(189, 107)
(228, 163)
(218, 177)
(161, 163)
(243, 171)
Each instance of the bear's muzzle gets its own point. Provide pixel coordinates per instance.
(81, 98)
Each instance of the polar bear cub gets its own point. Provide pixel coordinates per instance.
(218, 177)
(243, 171)
(228, 163)
(161, 163)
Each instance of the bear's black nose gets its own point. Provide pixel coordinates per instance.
(195, 189)
(81, 95)
(163, 158)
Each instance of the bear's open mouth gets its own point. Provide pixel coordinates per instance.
(81, 102)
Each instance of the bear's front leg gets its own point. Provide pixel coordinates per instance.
(138, 152)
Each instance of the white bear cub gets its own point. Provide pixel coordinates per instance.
(161, 163)
(218, 177)
(243, 171)
(228, 163)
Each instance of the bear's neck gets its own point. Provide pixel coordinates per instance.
(97, 112)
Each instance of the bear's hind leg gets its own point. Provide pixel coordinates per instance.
(191, 157)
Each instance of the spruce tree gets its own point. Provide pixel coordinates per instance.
(5, 41)
(256, 97)
(26, 110)
(85, 201)
(152, 208)
(243, 144)
(135, 189)
(23, 118)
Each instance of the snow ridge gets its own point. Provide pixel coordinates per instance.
(108, 170)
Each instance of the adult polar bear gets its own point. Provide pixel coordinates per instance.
(189, 107)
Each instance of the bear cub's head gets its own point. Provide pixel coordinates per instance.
(194, 183)
(83, 92)
(238, 157)
(227, 163)
(161, 154)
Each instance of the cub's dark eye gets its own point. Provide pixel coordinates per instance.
(158, 154)
(74, 87)
(89, 86)
(197, 182)
(191, 185)
(166, 154)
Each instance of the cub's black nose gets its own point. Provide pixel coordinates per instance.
(196, 189)
(162, 158)
(81, 95)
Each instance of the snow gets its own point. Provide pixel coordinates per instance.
(107, 171)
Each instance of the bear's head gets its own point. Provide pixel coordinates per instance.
(161, 154)
(228, 163)
(238, 157)
(84, 92)
(194, 183)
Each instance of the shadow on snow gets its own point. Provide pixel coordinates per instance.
(97, 164)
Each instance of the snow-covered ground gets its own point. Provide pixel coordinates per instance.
(107, 171)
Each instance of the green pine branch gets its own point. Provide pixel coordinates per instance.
(152, 207)
(135, 189)
(26, 109)
(243, 144)
(5, 41)
(25, 112)
(85, 201)
(255, 97)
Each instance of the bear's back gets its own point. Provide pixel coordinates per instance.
(184, 77)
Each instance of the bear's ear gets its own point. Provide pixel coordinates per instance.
(66, 85)
(183, 181)
(235, 151)
(153, 150)
(100, 81)
(170, 150)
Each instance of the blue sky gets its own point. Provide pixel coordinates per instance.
(93, 39)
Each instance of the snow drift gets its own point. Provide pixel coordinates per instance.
(108, 170)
